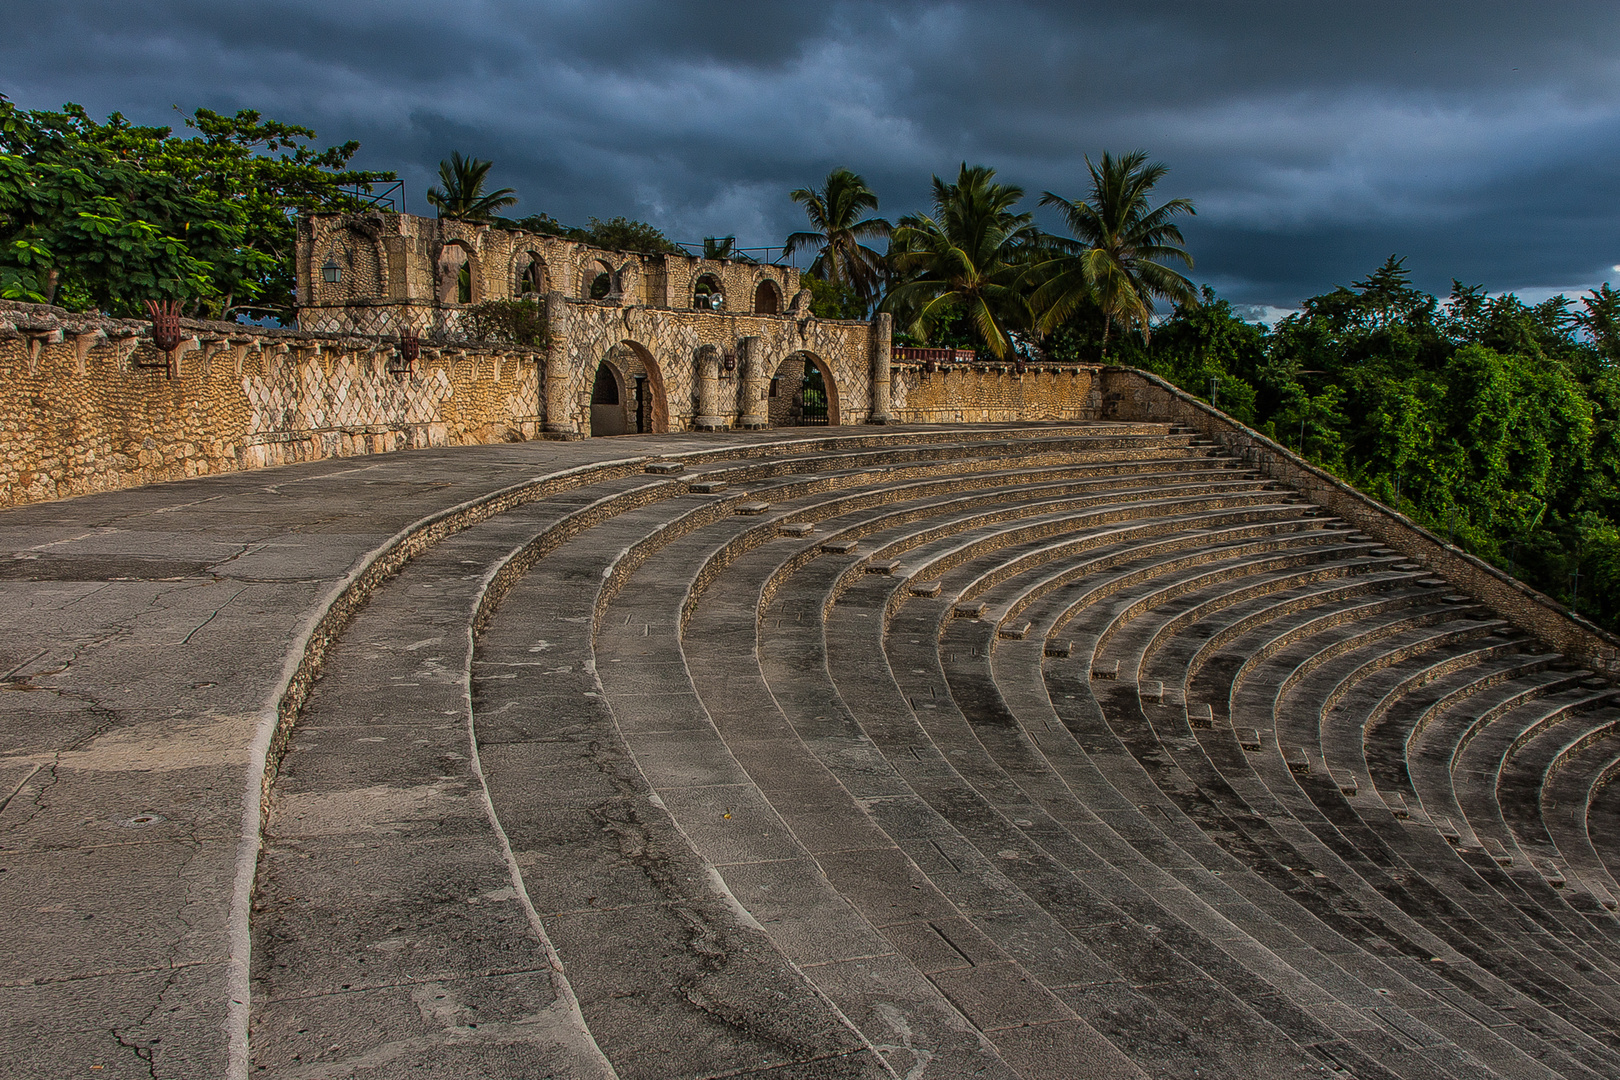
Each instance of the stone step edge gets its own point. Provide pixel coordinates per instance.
(304, 655)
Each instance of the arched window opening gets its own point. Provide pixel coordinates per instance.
(532, 282)
(767, 300)
(455, 274)
(707, 294)
(599, 281)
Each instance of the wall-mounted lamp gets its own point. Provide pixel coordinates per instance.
(730, 361)
(331, 273)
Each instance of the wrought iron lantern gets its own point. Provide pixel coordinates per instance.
(331, 272)
(410, 347)
(165, 323)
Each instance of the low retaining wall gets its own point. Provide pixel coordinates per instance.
(993, 393)
(1129, 394)
(89, 403)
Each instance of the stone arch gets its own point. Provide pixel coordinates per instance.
(767, 298)
(458, 275)
(802, 392)
(597, 281)
(640, 403)
(708, 293)
(361, 273)
(530, 276)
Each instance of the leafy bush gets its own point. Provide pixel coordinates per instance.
(509, 322)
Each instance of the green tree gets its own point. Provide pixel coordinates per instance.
(623, 234)
(462, 195)
(1117, 251)
(109, 215)
(831, 300)
(968, 258)
(835, 214)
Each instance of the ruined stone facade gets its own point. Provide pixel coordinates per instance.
(637, 343)
(684, 343)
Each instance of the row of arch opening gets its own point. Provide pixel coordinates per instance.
(458, 282)
(628, 394)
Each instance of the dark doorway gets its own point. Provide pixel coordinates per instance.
(813, 397)
(607, 406)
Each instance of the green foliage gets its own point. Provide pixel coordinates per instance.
(623, 234)
(968, 258)
(110, 215)
(1491, 422)
(838, 229)
(510, 322)
(462, 195)
(1115, 258)
(832, 299)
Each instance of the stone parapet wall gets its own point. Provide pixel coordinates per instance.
(89, 403)
(980, 393)
(1129, 394)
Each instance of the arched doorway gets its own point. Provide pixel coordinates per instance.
(767, 299)
(607, 401)
(627, 394)
(802, 392)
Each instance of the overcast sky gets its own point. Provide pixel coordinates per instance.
(1481, 140)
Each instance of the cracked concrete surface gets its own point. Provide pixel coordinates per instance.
(148, 639)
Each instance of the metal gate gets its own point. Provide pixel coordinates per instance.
(812, 398)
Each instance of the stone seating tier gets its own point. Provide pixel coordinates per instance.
(1020, 752)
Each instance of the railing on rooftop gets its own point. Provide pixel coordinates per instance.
(770, 255)
(939, 356)
(390, 196)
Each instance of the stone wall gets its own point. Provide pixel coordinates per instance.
(90, 404)
(686, 355)
(399, 271)
(992, 393)
(1128, 394)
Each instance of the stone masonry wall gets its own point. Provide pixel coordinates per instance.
(992, 393)
(1128, 394)
(671, 343)
(90, 404)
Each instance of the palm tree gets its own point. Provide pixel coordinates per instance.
(718, 247)
(970, 256)
(1118, 251)
(835, 215)
(463, 196)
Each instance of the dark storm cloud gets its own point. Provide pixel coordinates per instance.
(1478, 139)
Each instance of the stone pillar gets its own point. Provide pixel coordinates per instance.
(559, 412)
(756, 382)
(882, 351)
(709, 417)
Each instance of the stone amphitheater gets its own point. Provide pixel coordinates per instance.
(1103, 749)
